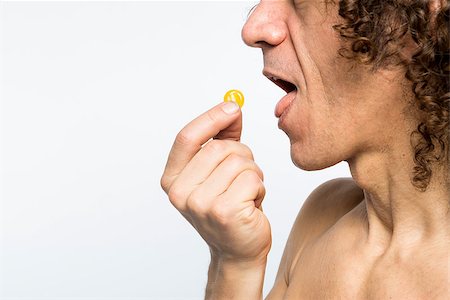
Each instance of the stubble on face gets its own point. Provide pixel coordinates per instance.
(343, 109)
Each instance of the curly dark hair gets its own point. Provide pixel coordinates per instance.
(376, 31)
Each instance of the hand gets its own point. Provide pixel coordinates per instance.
(212, 179)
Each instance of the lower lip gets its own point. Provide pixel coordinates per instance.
(284, 105)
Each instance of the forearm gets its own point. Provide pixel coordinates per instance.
(235, 280)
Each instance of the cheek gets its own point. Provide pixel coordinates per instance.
(322, 135)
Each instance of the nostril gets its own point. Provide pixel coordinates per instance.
(251, 31)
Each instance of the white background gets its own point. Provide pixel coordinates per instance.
(92, 95)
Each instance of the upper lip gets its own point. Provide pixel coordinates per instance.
(281, 81)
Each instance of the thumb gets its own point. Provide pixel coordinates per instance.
(233, 131)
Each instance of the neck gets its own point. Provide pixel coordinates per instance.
(397, 214)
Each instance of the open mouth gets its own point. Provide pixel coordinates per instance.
(285, 102)
(285, 85)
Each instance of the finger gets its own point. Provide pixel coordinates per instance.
(232, 132)
(247, 187)
(225, 118)
(206, 161)
(225, 173)
(237, 203)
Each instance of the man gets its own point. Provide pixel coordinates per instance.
(367, 83)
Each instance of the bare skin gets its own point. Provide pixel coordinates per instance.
(395, 242)
(373, 236)
(329, 255)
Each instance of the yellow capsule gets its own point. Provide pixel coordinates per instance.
(234, 96)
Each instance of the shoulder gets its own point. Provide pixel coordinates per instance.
(326, 204)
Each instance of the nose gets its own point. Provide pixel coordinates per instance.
(265, 25)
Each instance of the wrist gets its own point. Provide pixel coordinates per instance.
(239, 262)
(235, 278)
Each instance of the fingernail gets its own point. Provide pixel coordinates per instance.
(230, 107)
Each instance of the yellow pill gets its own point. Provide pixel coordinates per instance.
(234, 96)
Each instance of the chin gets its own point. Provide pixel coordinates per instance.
(313, 161)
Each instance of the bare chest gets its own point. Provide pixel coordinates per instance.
(321, 273)
(345, 270)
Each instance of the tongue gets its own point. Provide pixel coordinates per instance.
(284, 103)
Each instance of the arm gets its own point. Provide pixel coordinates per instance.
(213, 180)
(235, 280)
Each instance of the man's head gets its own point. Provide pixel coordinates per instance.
(361, 76)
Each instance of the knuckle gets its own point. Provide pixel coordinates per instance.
(184, 137)
(251, 177)
(259, 172)
(195, 204)
(176, 195)
(216, 146)
(236, 161)
(220, 214)
(247, 151)
(263, 190)
(242, 164)
(223, 147)
(261, 194)
(165, 184)
(212, 116)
